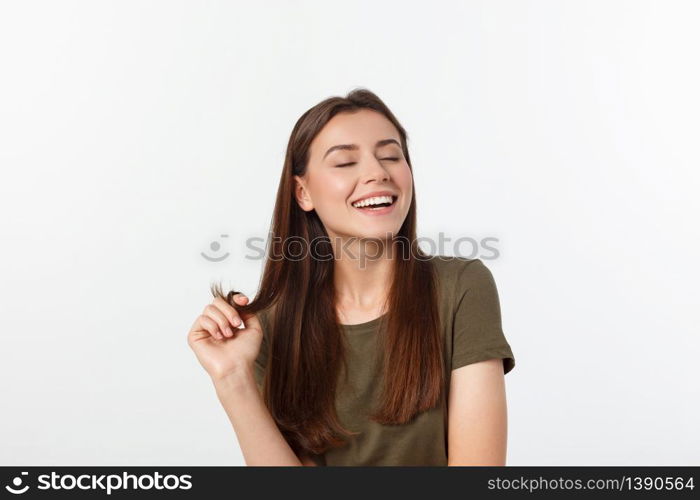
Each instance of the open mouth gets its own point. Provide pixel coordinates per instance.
(378, 206)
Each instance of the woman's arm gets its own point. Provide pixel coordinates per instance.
(259, 437)
(477, 415)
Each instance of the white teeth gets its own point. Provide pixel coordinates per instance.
(373, 201)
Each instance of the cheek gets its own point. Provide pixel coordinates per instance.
(404, 178)
(333, 189)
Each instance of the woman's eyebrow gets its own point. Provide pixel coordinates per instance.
(351, 147)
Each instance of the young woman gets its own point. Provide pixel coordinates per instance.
(358, 348)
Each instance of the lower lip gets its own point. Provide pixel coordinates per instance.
(378, 211)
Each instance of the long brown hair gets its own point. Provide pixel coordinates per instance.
(306, 346)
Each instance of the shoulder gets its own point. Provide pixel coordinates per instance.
(458, 274)
(451, 263)
(473, 314)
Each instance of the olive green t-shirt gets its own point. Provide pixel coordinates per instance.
(471, 318)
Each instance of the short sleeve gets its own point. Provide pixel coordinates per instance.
(261, 360)
(477, 331)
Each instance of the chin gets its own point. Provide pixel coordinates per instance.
(380, 234)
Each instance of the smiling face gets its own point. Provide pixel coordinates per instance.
(354, 155)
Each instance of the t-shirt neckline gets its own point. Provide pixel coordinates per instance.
(367, 326)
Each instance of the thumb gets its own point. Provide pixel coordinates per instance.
(249, 319)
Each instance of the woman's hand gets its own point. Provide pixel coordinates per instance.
(220, 346)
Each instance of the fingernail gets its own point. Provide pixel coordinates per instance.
(236, 322)
(229, 331)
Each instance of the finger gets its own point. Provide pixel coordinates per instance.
(249, 319)
(214, 313)
(228, 311)
(211, 326)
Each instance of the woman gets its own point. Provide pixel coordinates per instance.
(358, 348)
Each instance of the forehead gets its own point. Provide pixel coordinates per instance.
(364, 128)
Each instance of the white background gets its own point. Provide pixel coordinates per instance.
(134, 134)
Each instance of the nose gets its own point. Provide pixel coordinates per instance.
(374, 170)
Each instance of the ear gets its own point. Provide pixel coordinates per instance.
(302, 195)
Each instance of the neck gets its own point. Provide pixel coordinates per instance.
(362, 275)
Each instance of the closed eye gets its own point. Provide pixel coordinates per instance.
(353, 163)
